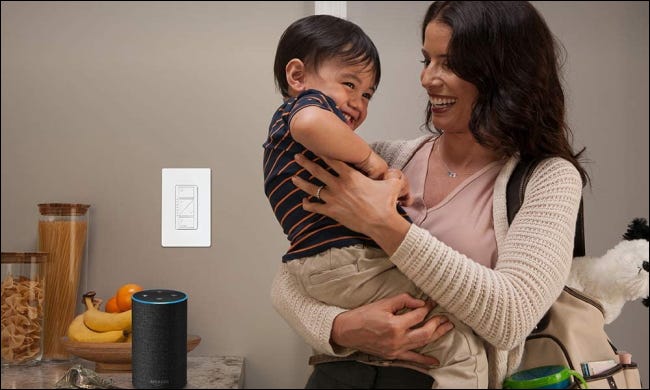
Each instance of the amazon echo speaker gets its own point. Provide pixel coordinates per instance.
(159, 346)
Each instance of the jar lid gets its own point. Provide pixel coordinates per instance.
(546, 377)
(24, 257)
(63, 208)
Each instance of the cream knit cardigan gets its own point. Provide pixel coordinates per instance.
(503, 304)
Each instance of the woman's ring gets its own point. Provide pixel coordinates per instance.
(318, 192)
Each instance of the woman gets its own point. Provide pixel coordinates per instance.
(491, 73)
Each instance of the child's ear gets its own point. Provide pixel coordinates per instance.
(295, 73)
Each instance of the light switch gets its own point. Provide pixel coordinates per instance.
(185, 211)
(186, 205)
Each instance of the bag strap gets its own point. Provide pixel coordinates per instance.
(515, 197)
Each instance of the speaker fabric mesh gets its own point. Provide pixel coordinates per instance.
(159, 346)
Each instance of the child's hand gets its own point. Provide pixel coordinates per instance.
(373, 166)
(404, 198)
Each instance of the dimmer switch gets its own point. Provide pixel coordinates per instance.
(186, 207)
(185, 210)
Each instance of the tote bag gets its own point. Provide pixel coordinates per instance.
(572, 332)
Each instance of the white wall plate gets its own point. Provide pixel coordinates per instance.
(185, 212)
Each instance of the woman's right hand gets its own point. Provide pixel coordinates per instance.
(361, 204)
(376, 329)
(404, 198)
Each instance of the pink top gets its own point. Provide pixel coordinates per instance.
(463, 220)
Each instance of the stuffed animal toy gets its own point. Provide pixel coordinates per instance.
(620, 275)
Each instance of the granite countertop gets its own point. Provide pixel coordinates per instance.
(203, 372)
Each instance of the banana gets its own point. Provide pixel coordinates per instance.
(78, 331)
(101, 321)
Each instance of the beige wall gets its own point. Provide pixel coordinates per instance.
(97, 97)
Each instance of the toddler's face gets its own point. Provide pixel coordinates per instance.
(351, 87)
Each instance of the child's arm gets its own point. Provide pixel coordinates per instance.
(326, 135)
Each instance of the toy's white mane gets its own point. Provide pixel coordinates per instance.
(620, 275)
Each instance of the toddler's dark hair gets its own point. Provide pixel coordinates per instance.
(317, 38)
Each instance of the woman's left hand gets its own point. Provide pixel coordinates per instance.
(362, 204)
(381, 328)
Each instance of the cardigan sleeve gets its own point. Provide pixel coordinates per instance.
(504, 304)
(398, 153)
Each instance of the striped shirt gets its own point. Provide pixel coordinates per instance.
(308, 233)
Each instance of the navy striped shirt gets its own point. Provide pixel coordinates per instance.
(308, 233)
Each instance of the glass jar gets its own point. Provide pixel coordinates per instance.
(23, 293)
(62, 233)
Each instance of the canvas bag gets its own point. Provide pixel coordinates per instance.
(573, 330)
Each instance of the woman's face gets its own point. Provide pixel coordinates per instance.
(451, 97)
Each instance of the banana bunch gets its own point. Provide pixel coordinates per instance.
(78, 331)
(96, 326)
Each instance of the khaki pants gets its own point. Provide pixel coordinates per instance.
(356, 275)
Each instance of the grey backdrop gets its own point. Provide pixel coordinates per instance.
(98, 97)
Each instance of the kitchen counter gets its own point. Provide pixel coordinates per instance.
(203, 372)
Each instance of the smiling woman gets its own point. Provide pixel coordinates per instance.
(189, 83)
(482, 127)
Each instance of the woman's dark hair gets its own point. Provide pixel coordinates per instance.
(317, 38)
(508, 52)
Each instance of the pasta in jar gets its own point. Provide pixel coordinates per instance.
(23, 293)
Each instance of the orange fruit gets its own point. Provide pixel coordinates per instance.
(111, 306)
(124, 293)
